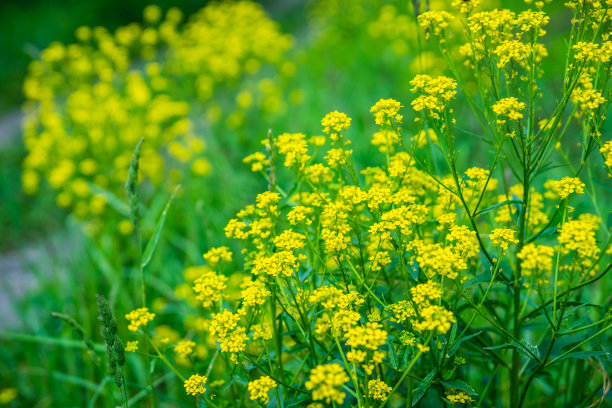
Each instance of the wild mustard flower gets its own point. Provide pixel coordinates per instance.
(536, 258)
(258, 389)
(508, 108)
(139, 317)
(378, 389)
(458, 397)
(184, 348)
(209, 287)
(194, 385)
(565, 187)
(325, 381)
(131, 346)
(503, 237)
(386, 112)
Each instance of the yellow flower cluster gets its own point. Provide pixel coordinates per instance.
(258, 389)
(184, 348)
(437, 21)
(89, 103)
(459, 397)
(335, 122)
(606, 151)
(564, 188)
(231, 337)
(131, 346)
(378, 389)
(536, 259)
(502, 237)
(216, 256)
(139, 317)
(578, 237)
(508, 108)
(364, 342)
(435, 317)
(325, 381)
(386, 112)
(194, 385)
(208, 287)
(434, 94)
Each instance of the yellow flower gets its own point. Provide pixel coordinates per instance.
(194, 385)
(258, 389)
(139, 317)
(325, 381)
(184, 348)
(386, 112)
(378, 390)
(132, 346)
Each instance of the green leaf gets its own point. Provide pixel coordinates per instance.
(523, 347)
(148, 253)
(455, 346)
(393, 356)
(496, 206)
(115, 202)
(423, 387)
(459, 385)
(583, 354)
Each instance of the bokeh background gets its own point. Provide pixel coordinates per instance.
(56, 253)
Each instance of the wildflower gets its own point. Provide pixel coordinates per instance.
(184, 348)
(335, 122)
(535, 258)
(209, 287)
(564, 187)
(344, 320)
(289, 240)
(258, 389)
(585, 51)
(371, 336)
(385, 140)
(423, 293)
(459, 397)
(282, 263)
(386, 112)
(318, 173)
(434, 94)
(579, 236)
(465, 7)
(325, 381)
(194, 385)
(139, 317)
(132, 346)
(512, 50)
(434, 258)
(294, 147)
(436, 20)
(300, 214)
(435, 317)
(254, 293)
(502, 237)
(508, 108)
(378, 389)
(606, 152)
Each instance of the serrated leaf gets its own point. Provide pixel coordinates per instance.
(496, 206)
(455, 346)
(583, 354)
(523, 347)
(459, 385)
(150, 248)
(423, 387)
